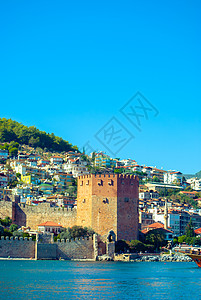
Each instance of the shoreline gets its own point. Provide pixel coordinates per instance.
(149, 258)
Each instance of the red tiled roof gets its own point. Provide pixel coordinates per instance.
(191, 193)
(49, 223)
(156, 225)
(197, 231)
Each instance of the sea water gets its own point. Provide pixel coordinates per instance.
(99, 280)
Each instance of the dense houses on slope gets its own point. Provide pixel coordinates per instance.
(34, 178)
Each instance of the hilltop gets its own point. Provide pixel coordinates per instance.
(12, 131)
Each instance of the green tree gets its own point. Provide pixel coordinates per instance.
(76, 231)
(13, 227)
(156, 179)
(182, 239)
(189, 230)
(18, 175)
(156, 237)
(6, 222)
(137, 246)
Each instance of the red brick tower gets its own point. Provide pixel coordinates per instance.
(109, 202)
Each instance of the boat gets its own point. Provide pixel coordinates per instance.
(193, 252)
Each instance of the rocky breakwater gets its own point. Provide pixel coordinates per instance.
(164, 258)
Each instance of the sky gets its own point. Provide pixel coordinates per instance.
(123, 77)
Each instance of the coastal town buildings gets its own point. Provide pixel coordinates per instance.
(34, 180)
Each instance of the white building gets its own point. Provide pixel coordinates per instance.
(173, 220)
(76, 167)
(20, 169)
(128, 162)
(195, 183)
(148, 171)
(148, 195)
(49, 227)
(172, 177)
(136, 168)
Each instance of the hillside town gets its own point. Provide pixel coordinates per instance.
(167, 200)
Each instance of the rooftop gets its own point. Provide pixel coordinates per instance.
(49, 223)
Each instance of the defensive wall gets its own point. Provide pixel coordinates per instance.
(6, 209)
(26, 215)
(17, 248)
(82, 248)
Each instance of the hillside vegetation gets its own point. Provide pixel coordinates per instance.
(198, 174)
(12, 131)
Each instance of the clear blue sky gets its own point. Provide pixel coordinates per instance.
(68, 67)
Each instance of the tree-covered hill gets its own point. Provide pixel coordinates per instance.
(198, 174)
(12, 131)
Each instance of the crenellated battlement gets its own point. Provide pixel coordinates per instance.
(44, 247)
(16, 238)
(80, 239)
(44, 206)
(122, 176)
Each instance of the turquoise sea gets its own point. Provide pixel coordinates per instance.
(98, 280)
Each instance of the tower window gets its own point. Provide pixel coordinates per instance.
(126, 199)
(100, 182)
(110, 182)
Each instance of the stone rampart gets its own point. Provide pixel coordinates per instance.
(5, 209)
(17, 248)
(82, 248)
(32, 216)
(46, 251)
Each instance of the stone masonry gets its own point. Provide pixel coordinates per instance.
(109, 202)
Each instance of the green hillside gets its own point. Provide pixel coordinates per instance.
(12, 131)
(198, 174)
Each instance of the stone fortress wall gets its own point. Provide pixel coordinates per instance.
(83, 248)
(32, 216)
(17, 248)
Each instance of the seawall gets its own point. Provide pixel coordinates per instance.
(82, 248)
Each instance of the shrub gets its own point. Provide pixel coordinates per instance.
(75, 231)
(13, 227)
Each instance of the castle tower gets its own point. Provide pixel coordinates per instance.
(109, 202)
